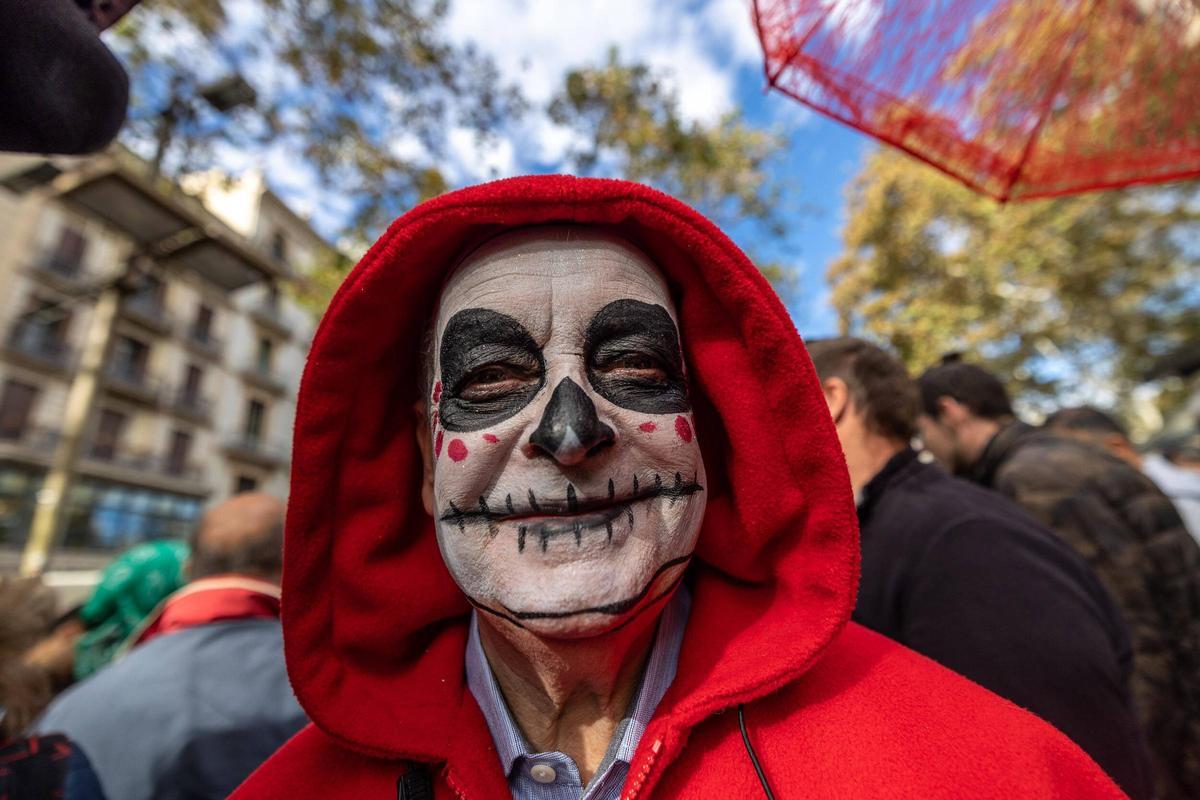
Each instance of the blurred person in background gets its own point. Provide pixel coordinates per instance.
(54, 653)
(1093, 426)
(130, 590)
(202, 697)
(966, 577)
(33, 767)
(1112, 515)
(1183, 453)
(29, 608)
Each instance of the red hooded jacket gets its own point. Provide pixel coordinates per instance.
(375, 628)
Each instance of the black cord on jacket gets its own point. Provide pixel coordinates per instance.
(762, 778)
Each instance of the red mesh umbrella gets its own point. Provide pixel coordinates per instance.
(1015, 98)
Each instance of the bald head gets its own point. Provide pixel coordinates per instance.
(243, 535)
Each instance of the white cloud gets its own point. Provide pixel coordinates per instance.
(479, 160)
(699, 49)
(535, 42)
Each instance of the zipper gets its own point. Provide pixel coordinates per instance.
(643, 773)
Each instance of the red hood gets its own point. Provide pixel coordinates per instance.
(371, 616)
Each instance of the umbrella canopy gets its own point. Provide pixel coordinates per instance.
(1015, 98)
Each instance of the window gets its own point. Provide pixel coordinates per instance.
(129, 358)
(190, 394)
(245, 483)
(255, 411)
(177, 456)
(202, 325)
(15, 405)
(42, 329)
(108, 434)
(146, 297)
(279, 246)
(266, 349)
(68, 253)
(150, 290)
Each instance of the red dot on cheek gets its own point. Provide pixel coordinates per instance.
(490, 438)
(457, 450)
(683, 428)
(647, 427)
(437, 445)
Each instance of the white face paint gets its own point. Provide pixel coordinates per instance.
(568, 485)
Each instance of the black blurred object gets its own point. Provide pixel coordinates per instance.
(41, 767)
(61, 90)
(103, 14)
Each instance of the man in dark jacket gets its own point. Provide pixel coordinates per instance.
(203, 697)
(965, 577)
(1091, 425)
(1112, 515)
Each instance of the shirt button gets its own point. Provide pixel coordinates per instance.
(543, 773)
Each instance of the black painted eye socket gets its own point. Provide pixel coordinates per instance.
(491, 368)
(634, 360)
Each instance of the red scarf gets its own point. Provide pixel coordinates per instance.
(218, 599)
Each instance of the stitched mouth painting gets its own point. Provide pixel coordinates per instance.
(562, 466)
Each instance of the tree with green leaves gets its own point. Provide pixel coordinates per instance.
(1094, 285)
(628, 115)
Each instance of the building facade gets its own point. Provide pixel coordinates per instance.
(196, 397)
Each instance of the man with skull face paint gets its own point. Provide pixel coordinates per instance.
(618, 512)
(570, 502)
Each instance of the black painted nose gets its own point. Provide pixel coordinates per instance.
(570, 430)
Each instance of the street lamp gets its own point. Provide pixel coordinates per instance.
(222, 95)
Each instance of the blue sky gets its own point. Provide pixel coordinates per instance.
(824, 156)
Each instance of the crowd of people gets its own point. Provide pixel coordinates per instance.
(1041, 562)
(168, 682)
(616, 509)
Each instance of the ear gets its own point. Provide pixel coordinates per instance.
(1121, 447)
(425, 445)
(837, 397)
(951, 413)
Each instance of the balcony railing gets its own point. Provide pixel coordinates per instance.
(35, 441)
(191, 404)
(147, 311)
(264, 379)
(59, 270)
(255, 451)
(204, 342)
(269, 315)
(144, 461)
(132, 383)
(39, 348)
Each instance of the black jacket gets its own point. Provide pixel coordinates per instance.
(1132, 536)
(964, 576)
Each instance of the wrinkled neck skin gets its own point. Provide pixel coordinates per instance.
(568, 695)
